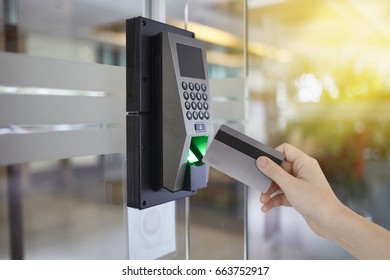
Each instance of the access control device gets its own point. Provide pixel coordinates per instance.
(169, 120)
(235, 154)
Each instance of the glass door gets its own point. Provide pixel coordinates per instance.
(62, 130)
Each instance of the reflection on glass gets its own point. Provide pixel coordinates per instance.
(71, 209)
(78, 31)
(329, 99)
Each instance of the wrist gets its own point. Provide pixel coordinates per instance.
(344, 229)
(331, 221)
(340, 215)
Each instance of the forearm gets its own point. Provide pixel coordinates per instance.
(359, 236)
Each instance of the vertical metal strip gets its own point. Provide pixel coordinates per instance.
(246, 39)
(246, 193)
(246, 70)
(187, 199)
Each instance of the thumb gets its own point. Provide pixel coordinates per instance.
(275, 172)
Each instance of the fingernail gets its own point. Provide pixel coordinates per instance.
(261, 161)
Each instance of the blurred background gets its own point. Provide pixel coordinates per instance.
(314, 73)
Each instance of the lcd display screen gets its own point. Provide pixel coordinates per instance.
(190, 61)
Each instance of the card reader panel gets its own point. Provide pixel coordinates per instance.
(167, 108)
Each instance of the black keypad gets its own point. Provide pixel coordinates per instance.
(196, 104)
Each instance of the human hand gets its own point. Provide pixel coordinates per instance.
(299, 182)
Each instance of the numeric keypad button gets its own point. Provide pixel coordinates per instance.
(195, 101)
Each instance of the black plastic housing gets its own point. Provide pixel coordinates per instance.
(143, 119)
